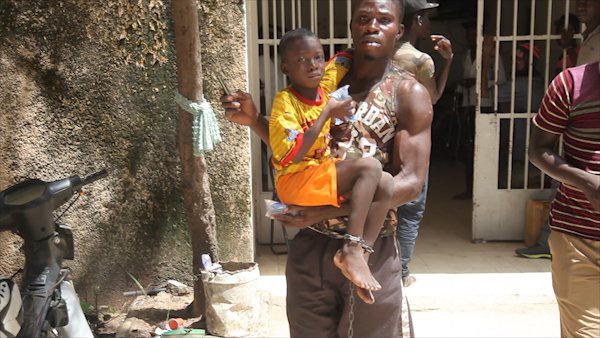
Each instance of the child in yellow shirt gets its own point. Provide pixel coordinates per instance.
(306, 174)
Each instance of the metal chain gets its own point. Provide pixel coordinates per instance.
(351, 312)
(360, 241)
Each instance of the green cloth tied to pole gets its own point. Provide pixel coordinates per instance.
(205, 129)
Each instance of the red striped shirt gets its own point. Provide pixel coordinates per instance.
(571, 107)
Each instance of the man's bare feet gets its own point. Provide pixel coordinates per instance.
(351, 261)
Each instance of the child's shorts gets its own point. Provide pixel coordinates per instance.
(310, 187)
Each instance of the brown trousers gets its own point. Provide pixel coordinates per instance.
(576, 282)
(318, 293)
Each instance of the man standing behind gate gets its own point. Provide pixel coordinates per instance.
(422, 67)
(571, 108)
(588, 12)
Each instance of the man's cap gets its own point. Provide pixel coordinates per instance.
(527, 48)
(413, 6)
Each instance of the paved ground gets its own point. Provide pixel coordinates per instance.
(463, 289)
(491, 304)
(484, 305)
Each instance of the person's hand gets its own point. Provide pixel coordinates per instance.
(566, 38)
(443, 46)
(340, 109)
(240, 108)
(593, 193)
(299, 217)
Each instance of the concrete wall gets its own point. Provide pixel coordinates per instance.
(86, 85)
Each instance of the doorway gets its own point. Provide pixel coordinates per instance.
(503, 179)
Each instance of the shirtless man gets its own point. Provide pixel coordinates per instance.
(398, 112)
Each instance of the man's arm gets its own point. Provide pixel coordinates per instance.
(412, 143)
(436, 86)
(301, 217)
(543, 156)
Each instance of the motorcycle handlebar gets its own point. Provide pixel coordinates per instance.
(33, 193)
(62, 190)
(94, 177)
(29, 204)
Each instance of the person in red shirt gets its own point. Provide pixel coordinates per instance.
(571, 110)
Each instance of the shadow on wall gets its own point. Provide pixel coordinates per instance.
(74, 103)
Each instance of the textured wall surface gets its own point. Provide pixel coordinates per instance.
(222, 33)
(86, 85)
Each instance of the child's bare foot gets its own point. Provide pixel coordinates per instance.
(351, 261)
(365, 295)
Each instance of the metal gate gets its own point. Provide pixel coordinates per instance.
(267, 21)
(503, 177)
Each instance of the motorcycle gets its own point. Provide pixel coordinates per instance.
(46, 304)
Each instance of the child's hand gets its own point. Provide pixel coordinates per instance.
(340, 109)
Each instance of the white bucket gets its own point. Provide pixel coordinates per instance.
(233, 302)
